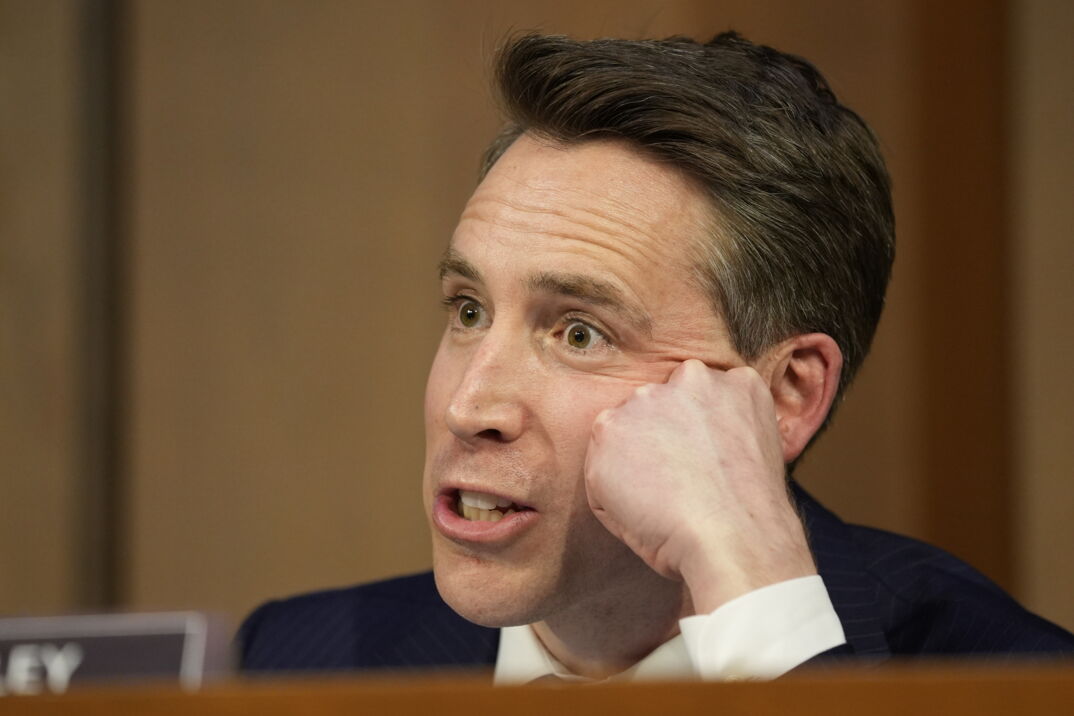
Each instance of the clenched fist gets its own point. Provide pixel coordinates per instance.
(690, 475)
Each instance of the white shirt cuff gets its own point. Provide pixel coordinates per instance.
(765, 633)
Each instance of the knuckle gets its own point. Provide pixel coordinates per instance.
(694, 368)
(600, 423)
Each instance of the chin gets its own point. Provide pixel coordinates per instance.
(486, 594)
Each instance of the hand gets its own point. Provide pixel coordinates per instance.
(690, 475)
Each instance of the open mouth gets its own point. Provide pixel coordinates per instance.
(483, 507)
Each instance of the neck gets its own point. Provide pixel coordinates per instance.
(608, 635)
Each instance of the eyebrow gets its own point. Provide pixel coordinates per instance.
(579, 286)
(592, 291)
(453, 262)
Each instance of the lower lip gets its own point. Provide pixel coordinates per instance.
(453, 526)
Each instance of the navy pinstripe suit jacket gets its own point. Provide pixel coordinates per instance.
(894, 595)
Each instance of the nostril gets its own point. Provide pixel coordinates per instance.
(491, 434)
(498, 420)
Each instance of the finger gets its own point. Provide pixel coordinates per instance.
(681, 370)
(590, 482)
(693, 368)
(596, 430)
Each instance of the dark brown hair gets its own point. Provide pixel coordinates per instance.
(804, 236)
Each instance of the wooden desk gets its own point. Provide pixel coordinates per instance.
(982, 690)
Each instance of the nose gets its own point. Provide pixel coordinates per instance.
(490, 401)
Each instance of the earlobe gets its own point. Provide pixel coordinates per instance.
(804, 378)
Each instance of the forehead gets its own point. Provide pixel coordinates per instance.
(602, 205)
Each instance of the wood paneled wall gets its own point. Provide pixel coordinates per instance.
(291, 172)
(41, 446)
(1042, 256)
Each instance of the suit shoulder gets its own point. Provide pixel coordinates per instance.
(412, 589)
(333, 605)
(912, 568)
(345, 628)
(936, 603)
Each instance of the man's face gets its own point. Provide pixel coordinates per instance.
(567, 285)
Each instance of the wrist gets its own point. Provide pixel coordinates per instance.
(712, 585)
(714, 577)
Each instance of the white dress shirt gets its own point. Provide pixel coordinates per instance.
(759, 635)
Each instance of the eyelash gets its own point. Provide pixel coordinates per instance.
(449, 302)
(452, 304)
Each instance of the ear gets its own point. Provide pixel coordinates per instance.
(803, 373)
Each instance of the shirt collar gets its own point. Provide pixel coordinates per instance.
(522, 658)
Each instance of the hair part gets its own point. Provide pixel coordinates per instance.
(803, 237)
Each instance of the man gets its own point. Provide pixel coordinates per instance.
(671, 270)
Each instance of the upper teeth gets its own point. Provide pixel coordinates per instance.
(482, 500)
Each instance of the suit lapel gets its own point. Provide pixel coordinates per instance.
(842, 566)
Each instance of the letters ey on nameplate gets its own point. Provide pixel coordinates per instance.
(49, 654)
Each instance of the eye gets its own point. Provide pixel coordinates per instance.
(582, 336)
(469, 313)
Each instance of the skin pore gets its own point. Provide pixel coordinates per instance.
(567, 290)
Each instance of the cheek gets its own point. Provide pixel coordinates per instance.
(571, 408)
(438, 390)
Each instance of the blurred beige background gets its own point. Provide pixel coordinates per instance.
(219, 223)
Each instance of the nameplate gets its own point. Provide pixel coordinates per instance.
(51, 654)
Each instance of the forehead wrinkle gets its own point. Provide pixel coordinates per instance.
(606, 232)
(615, 208)
(591, 290)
